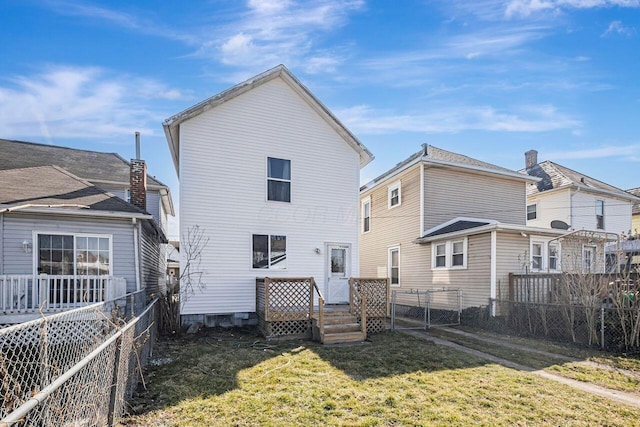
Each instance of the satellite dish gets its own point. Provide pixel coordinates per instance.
(559, 225)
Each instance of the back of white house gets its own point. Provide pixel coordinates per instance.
(269, 176)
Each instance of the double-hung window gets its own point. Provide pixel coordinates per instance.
(278, 180)
(600, 214)
(532, 212)
(394, 192)
(394, 265)
(451, 254)
(589, 259)
(536, 256)
(366, 215)
(553, 256)
(269, 251)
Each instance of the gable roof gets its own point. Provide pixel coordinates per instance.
(172, 124)
(93, 166)
(636, 206)
(554, 176)
(458, 225)
(431, 155)
(52, 187)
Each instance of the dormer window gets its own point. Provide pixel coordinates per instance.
(278, 180)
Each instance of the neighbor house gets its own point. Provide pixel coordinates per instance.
(567, 199)
(65, 242)
(271, 176)
(107, 171)
(635, 212)
(443, 220)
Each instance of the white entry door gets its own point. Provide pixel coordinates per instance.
(338, 267)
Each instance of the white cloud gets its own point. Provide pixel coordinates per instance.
(532, 118)
(272, 32)
(629, 151)
(75, 102)
(529, 7)
(616, 27)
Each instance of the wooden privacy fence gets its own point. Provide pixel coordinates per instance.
(572, 288)
(373, 295)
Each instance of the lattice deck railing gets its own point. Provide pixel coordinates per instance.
(376, 292)
(283, 306)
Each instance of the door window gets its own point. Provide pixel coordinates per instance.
(338, 262)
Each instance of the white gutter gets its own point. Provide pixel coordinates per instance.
(488, 228)
(60, 210)
(136, 251)
(34, 205)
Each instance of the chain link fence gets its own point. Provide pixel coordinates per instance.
(425, 309)
(610, 327)
(77, 367)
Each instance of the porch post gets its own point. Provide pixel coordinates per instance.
(494, 270)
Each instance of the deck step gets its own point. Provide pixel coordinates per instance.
(341, 327)
(339, 320)
(344, 337)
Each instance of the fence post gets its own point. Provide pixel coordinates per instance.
(427, 313)
(393, 310)
(113, 398)
(602, 327)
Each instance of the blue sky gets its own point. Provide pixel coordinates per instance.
(488, 79)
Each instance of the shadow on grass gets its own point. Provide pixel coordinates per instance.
(219, 361)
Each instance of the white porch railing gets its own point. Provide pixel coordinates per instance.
(29, 293)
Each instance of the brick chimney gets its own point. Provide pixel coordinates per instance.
(138, 179)
(531, 158)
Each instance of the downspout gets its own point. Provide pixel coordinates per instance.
(136, 250)
(494, 271)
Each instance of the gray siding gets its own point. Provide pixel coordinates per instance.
(153, 276)
(154, 201)
(18, 227)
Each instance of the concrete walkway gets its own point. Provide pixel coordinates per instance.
(619, 396)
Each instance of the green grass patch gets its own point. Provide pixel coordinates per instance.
(613, 377)
(394, 380)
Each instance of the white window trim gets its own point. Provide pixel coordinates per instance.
(394, 186)
(594, 260)
(449, 254)
(36, 249)
(266, 182)
(366, 200)
(389, 250)
(603, 216)
(535, 204)
(545, 242)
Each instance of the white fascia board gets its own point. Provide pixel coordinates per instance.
(83, 213)
(480, 169)
(371, 185)
(491, 227)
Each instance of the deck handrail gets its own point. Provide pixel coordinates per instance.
(354, 295)
(313, 291)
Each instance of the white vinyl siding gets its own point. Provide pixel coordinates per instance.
(554, 206)
(222, 189)
(617, 213)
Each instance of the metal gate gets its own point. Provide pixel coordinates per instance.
(424, 309)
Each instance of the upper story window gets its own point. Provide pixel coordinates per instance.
(60, 254)
(532, 211)
(278, 180)
(395, 194)
(600, 214)
(269, 251)
(366, 215)
(450, 254)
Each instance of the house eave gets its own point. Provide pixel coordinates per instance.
(172, 124)
(73, 212)
(510, 228)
